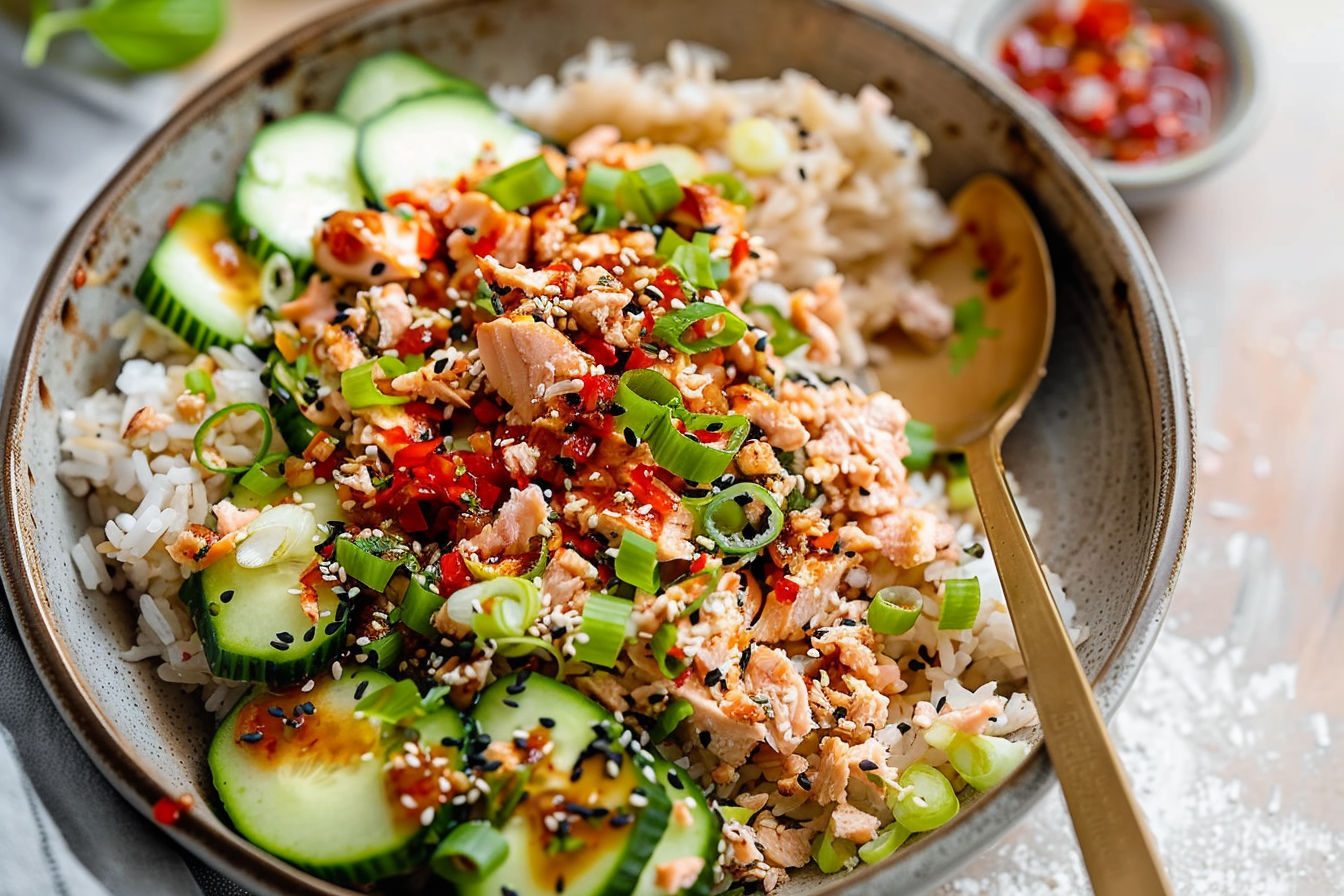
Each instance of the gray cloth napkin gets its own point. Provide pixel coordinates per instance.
(63, 830)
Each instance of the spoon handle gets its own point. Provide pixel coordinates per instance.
(1117, 848)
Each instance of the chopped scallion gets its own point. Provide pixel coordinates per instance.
(677, 711)
(198, 442)
(672, 327)
(198, 382)
(895, 609)
(525, 183)
(359, 389)
(662, 645)
(737, 525)
(961, 604)
(603, 628)
(787, 338)
(637, 562)
(925, 799)
(470, 851)
(832, 853)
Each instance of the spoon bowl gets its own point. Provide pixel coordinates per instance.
(996, 274)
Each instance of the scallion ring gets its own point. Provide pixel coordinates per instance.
(664, 641)
(895, 610)
(925, 799)
(738, 814)
(498, 608)
(961, 604)
(787, 338)
(259, 480)
(651, 405)
(732, 189)
(361, 391)
(418, 606)
(277, 280)
(602, 632)
(637, 562)
(672, 327)
(528, 182)
(981, 759)
(677, 711)
(364, 566)
(198, 382)
(198, 442)
(832, 853)
(471, 851)
(731, 525)
(884, 844)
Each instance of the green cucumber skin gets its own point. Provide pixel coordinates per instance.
(259, 248)
(172, 314)
(358, 102)
(242, 667)
(705, 823)
(647, 831)
(400, 859)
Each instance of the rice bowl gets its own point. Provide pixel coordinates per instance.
(148, 617)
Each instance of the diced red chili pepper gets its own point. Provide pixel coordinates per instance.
(643, 487)
(454, 573)
(487, 413)
(699, 563)
(741, 252)
(639, 358)
(786, 590)
(601, 350)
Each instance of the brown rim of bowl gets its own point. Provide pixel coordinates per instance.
(206, 836)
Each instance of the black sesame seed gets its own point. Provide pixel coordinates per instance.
(492, 765)
(760, 343)
(468, 229)
(804, 782)
(621, 820)
(311, 633)
(903, 727)
(332, 628)
(713, 677)
(360, 689)
(225, 596)
(250, 737)
(675, 781)
(630, 438)
(505, 891)
(868, 765)
(916, 666)
(285, 636)
(546, 722)
(849, 622)
(276, 711)
(307, 708)
(279, 645)
(840, 713)
(377, 268)
(511, 704)
(705, 738)
(942, 701)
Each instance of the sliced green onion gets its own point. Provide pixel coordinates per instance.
(525, 183)
(671, 328)
(960, 494)
(507, 607)
(630, 198)
(895, 610)
(393, 704)
(602, 632)
(600, 184)
(277, 280)
(676, 712)
(730, 526)
(732, 189)
(604, 217)
(739, 814)
(832, 853)
(663, 641)
(385, 651)
(884, 844)
(637, 562)
(485, 299)
(961, 604)
(787, 338)
(359, 389)
(692, 261)
(757, 146)
(925, 799)
(365, 566)
(923, 445)
(418, 606)
(650, 404)
(522, 646)
(981, 760)
(261, 481)
(198, 442)
(469, 852)
(198, 382)
(658, 185)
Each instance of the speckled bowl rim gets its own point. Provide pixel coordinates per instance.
(926, 861)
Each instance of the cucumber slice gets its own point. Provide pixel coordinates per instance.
(437, 137)
(199, 282)
(326, 503)
(693, 831)
(298, 171)
(252, 627)
(602, 854)
(386, 79)
(320, 794)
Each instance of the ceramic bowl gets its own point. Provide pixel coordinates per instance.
(1104, 450)
(983, 24)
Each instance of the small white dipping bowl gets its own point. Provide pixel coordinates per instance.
(983, 24)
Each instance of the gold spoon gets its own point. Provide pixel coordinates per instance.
(997, 269)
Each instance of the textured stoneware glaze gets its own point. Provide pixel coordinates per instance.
(1104, 450)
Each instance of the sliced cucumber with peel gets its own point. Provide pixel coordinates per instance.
(251, 620)
(199, 282)
(605, 853)
(384, 80)
(437, 136)
(299, 170)
(317, 794)
(693, 831)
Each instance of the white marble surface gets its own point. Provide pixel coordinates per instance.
(1231, 733)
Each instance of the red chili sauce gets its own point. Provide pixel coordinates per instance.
(1132, 84)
